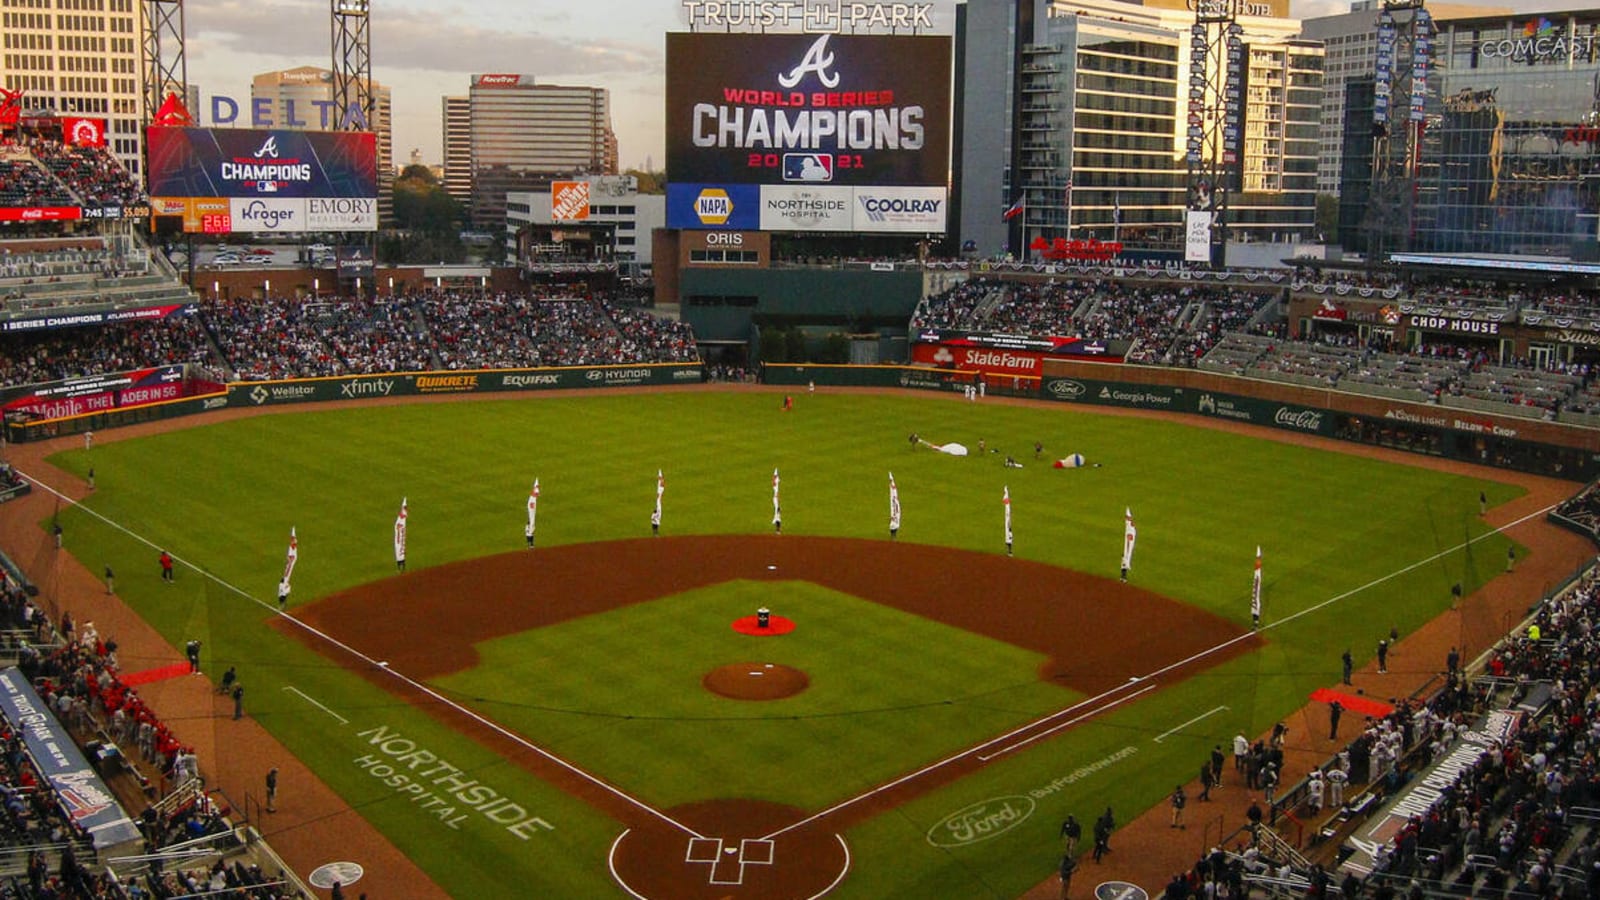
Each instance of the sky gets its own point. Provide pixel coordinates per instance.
(428, 49)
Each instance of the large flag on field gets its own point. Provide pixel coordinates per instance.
(1129, 535)
(1255, 593)
(1005, 500)
(533, 509)
(400, 535)
(894, 505)
(661, 488)
(777, 514)
(289, 561)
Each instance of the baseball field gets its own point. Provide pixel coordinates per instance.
(583, 719)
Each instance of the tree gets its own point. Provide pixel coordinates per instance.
(649, 182)
(422, 206)
(1328, 218)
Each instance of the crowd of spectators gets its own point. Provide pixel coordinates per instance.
(281, 337)
(24, 183)
(91, 173)
(1164, 324)
(1510, 823)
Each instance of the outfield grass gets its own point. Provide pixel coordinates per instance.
(224, 496)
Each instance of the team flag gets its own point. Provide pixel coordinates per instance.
(1129, 534)
(777, 510)
(1005, 500)
(1255, 593)
(289, 560)
(661, 488)
(400, 536)
(894, 506)
(533, 509)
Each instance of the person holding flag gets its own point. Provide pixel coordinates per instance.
(1005, 500)
(533, 514)
(777, 510)
(400, 537)
(1129, 534)
(1255, 594)
(655, 517)
(894, 508)
(288, 568)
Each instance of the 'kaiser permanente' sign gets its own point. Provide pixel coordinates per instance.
(79, 790)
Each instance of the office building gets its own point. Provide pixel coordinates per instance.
(1508, 160)
(524, 134)
(457, 131)
(1092, 133)
(1351, 45)
(586, 225)
(78, 62)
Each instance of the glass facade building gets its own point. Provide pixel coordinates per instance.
(1507, 158)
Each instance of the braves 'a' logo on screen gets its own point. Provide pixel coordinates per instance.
(268, 149)
(818, 60)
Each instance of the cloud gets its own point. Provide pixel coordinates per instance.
(1314, 9)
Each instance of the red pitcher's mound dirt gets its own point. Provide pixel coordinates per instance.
(755, 681)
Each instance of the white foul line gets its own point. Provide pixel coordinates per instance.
(307, 698)
(490, 724)
(1060, 725)
(1173, 731)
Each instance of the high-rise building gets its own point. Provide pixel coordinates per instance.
(1077, 109)
(523, 134)
(1351, 45)
(301, 98)
(457, 114)
(78, 64)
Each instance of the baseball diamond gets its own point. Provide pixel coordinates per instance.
(484, 724)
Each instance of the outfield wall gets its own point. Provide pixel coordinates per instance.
(362, 387)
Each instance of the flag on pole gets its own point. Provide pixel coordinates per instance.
(1116, 208)
(289, 561)
(400, 537)
(894, 507)
(1005, 500)
(777, 510)
(533, 511)
(1255, 593)
(1129, 534)
(1015, 209)
(655, 517)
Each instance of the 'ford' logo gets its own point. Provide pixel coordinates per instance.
(1064, 388)
(981, 821)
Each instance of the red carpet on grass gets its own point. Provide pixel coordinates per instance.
(1363, 706)
(775, 625)
(134, 679)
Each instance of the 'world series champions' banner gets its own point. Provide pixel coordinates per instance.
(808, 109)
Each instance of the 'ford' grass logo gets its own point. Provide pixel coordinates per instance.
(1064, 388)
(981, 821)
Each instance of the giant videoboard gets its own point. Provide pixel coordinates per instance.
(278, 180)
(808, 132)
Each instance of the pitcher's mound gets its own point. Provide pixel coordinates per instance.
(756, 681)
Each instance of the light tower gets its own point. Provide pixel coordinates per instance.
(1214, 135)
(1399, 113)
(352, 59)
(166, 67)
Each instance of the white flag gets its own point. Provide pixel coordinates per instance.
(400, 533)
(289, 560)
(533, 508)
(661, 488)
(1005, 500)
(1129, 533)
(894, 504)
(777, 511)
(1255, 590)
